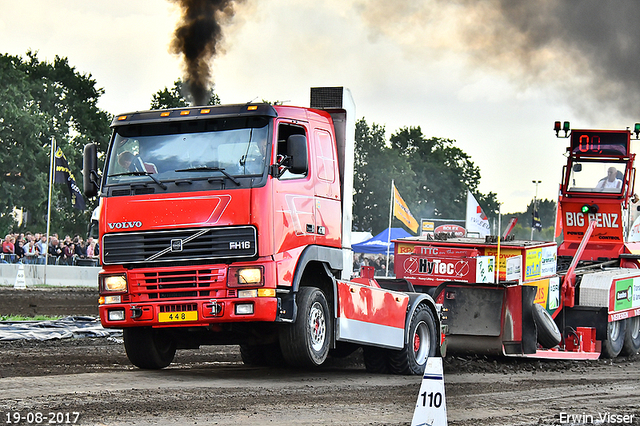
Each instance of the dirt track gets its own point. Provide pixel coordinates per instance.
(211, 386)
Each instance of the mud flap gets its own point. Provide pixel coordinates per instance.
(489, 319)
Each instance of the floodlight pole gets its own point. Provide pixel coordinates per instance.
(535, 204)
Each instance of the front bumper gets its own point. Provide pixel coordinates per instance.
(189, 312)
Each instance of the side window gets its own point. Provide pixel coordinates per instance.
(326, 157)
(284, 131)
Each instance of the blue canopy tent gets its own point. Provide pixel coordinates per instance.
(378, 244)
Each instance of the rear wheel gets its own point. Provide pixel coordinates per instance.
(268, 355)
(306, 342)
(631, 344)
(612, 346)
(422, 343)
(548, 332)
(376, 360)
(148, 348)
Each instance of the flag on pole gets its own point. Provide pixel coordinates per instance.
(401, 211)
(62, 174)
(477, 222)
(536, 224)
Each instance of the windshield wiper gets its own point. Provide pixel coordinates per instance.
(138, 173)
(211, 169)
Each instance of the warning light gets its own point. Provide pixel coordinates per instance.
(122, 117)
(593, 208)
(184, 112)
(566, 126)
(252, 107)
(165, 114)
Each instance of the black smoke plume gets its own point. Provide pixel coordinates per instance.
(587, 51)
(602, 37)
(197, 38)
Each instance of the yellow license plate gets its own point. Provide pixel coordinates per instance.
(178, 316)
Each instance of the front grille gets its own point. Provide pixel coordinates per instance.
(179, 308)
(147, 247)
(180, 284)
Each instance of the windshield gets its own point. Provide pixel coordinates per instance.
(597, 176)
(188, 150)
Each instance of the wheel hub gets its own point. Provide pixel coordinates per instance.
(317, 327)
(421, 342)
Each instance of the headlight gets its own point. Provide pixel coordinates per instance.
(115, 283)
(246, 276)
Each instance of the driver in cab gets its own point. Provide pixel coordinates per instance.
(611, 181)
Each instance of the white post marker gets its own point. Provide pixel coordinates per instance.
(20, 281)
(431, 408)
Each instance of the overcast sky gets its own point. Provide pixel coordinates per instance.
(492, 75)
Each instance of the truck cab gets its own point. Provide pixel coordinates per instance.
(231, 224)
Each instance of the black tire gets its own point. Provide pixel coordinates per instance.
(549, 335)
(343, 350)
(148, 349)
(612, 345)
(422, 343)
(376, 360)
(631, 344)
(268, 355)
(305, 343)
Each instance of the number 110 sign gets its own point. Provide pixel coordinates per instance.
(431, 407)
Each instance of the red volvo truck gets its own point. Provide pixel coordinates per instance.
(231, 225)
(578, 300)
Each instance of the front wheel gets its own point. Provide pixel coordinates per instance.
(148, 348)
(612, 346)
(631, 344)
(305, 343)
(421, 344)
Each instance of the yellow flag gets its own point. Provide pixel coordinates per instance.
(401, 211)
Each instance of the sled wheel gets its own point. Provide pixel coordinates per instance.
(421, 344)
(268, 355)
(548, 332)
(148, 348)
(612, 345)
(376, 360)
(631, 344)
(306, 342)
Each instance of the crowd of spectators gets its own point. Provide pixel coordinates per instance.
(378, 262)
(36, 248)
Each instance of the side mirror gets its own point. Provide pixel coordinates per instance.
(297, 153)
(91, 180)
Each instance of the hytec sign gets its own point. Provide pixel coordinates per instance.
(433, 265)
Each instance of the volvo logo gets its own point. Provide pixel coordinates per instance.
(176, 245)
(125, 225)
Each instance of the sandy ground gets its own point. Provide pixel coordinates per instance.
(92, 377)
(89, 381)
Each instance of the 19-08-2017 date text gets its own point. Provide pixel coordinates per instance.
(40, 418)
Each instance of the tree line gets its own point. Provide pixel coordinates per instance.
(45, 101)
